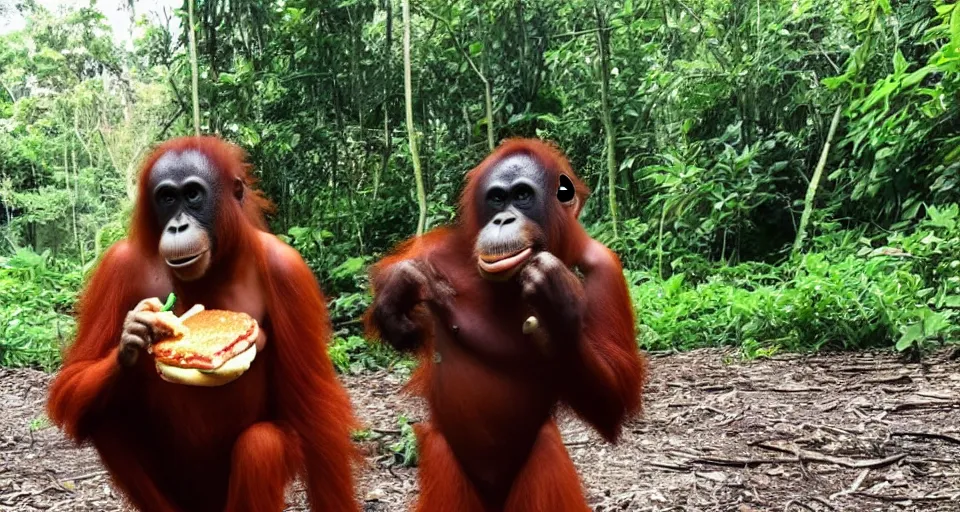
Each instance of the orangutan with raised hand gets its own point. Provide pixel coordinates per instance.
(513, 310)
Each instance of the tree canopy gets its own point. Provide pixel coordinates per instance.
(699, 125)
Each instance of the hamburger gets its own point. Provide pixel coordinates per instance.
(205, 347)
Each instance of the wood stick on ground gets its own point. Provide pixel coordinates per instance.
(854, 487)
(809, 456)
(666, 465)
(741, 462)
(794, 390)
(898, 499)
(797, 504)
(927, 435)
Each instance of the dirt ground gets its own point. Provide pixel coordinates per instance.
(845, 432)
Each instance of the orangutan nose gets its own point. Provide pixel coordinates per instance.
(504, 218)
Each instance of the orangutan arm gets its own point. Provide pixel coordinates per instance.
(88, 380)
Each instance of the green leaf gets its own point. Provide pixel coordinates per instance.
(955, 25)
(911, 335)
(934, 324)
(834, 82)
(298, 232)
(899, 63)
(348, 268)
(548, 118)
(904, 343)
(879, 94)
(917, 76)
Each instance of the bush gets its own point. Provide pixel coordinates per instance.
(904, 293)
(850, 292)
(354, 354)
(36, 302)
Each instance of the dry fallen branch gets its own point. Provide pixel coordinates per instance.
(741, 462)
(924, 404)
(800, 504)
(80, 478)
(718, 387)
(890, 379)
(668, 465)
(927, 435)
(899, 499)
(788, 389)
(866, 368)
(797, 504)
(810, 456)
(855, 487)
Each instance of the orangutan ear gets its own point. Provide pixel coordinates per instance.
(238, 189)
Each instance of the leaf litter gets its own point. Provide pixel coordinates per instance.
(831, 432)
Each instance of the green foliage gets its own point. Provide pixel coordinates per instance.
(721, 110)
(405, 448)
(848, 298)
(36, 300)
(39, 423)
(900, 149)
(354, 354)
(933, 251)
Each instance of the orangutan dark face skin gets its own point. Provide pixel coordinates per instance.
(514, 199)
(185, 194)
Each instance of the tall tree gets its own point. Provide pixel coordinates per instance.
(387, 137)
(815, 182)
(411, 132)
(603, 41)
(192, 37)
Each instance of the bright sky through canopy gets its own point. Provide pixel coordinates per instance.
(116, 13)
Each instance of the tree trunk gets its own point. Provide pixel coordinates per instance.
(603, 42)
(488, 97)
(210, 19)
(815, 182)
(70, 193)
(193, 68)
(73, 206)
(411, 133)
(387, 139)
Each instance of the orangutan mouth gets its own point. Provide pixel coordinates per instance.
(495, 264)
(186, 261)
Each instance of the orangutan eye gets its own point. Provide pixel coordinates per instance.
(497, 197)
(524, 193)
(566, 192)
(193, 194)
(166, 197)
